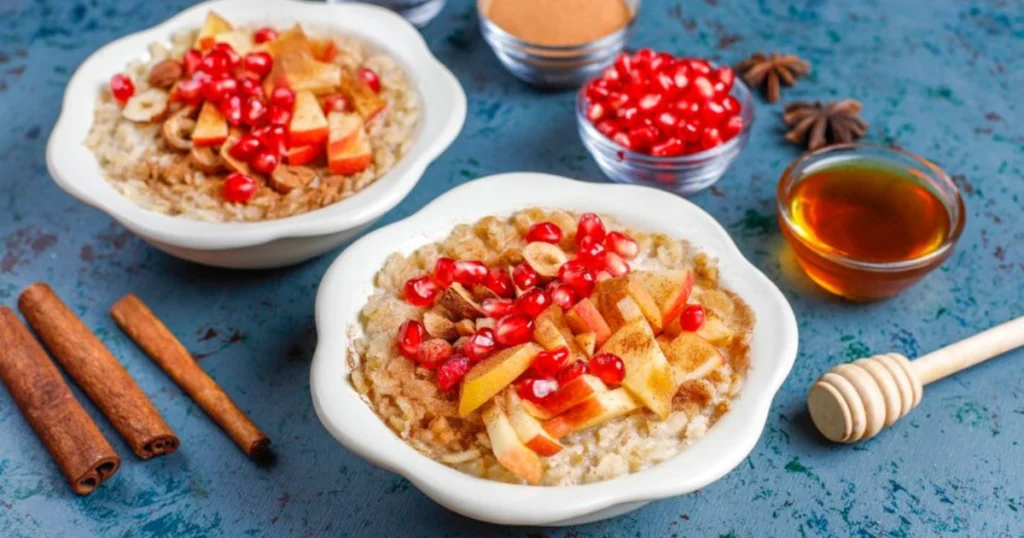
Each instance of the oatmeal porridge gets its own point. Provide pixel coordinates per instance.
(550, 348)
(245, 124)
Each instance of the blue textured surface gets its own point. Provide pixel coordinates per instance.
(942, 79)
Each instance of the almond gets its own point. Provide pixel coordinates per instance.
(286, 178)
(165, 74)
(546, 259)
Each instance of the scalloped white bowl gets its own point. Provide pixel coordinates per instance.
(272, 243)
(349, 282)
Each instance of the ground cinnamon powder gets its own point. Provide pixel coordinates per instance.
(558, 23)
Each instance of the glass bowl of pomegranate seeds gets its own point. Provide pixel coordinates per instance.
(663, 121)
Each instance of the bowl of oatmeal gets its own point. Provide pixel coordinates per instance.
(255, 133)
(575, 355)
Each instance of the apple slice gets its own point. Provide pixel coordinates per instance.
(298, 70)
(669, 289)
(492, 375)
(648, 374)
(529, 429)
(596, 410)
(715, 331)
(343, 127)
(691, 356)
(354, 158)
(213, 25)
(293, 39)
(584, 317)
(572, 394)
(299, 155)
(365, 101)
(211, 127)
(551, 331)
(309, 125)
(510, 451)
(608, 293)
(588, 343)
(239, 40)
(232, 163)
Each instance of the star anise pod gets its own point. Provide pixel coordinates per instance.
(772, 71)
(816, 125)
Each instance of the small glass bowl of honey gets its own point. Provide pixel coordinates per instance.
(866, 221)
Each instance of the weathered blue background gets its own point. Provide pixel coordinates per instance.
(941, 78)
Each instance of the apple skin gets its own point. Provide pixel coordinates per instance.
(211, 127)
(609, 293)
(584, 317)
(309, 125)
(572, 394)
(552, 332)
(691, 356)
(300, 155)
(528, 428)
(490, 376)
(213, 25)
(508, 449)
(648, 374)
(364, 100)
(591, 412)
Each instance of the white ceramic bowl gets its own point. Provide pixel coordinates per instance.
(349, 282)
(272, 243)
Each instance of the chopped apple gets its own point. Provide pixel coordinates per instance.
(508, 449)
(293, 39)
(211, 126)
(492, 375)
(529, 429)
(299, 155)
(715, 331)
(343, 127)
(239, 40)
(551, 331)
(588, 343)
(572, 394)
(354, 158)
(365, 101)
(309, 125)
(213, 25)
(298, 70)
(596, 410)
(232, 163)
(669, 289)
(608, 293)
(648, 374)
(584, 317)
(691, 356)
(324, 49)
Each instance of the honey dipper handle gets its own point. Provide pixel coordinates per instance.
(970, 351)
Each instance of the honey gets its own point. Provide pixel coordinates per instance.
(865, 229)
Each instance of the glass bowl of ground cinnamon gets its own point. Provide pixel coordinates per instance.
(557, 43)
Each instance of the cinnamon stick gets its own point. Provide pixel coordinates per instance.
(69, 434)
(136, 319)
(99, 374)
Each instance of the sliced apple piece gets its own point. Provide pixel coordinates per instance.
(490, 376)
(572, 394)
(588, 343)
(343, 128)
(213, 25)
(529, 429)
(211, 127)
(293, 39)
(239, 40)
(365, 101)
(551, 331)
(353, 157)
(648, 374)
(298, 70)
(669, 289)
(608, 293)
(510, 451)
(715, 331)
(584, 317)
(299, 155)
(593, 411)
(309, 125)
(691, 356)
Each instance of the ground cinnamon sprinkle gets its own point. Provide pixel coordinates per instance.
(558, 23)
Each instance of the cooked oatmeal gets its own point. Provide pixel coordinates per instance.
(407, 396)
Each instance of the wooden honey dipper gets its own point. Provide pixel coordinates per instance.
(855, 401)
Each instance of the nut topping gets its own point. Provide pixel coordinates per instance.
(438, 326)
(459, 303)
(178, 129)
(165, 74)
(150, 105)
(205, 159)
(286, 178)
(546, 259)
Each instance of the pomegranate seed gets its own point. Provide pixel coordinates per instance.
(686, 108)
(202, 77)
(698, 66)
(595, 111)
(622, 244)
(239, 188)
(732, 127)
(479, 346)
(673, 147)
(662, 60)
(524, 276)
(497, 308)
(190, 61)
(642, 59)
(444, 272)
(452, 371)
(709, 138)
(335, 103)
(607, 128)
(279, 116)
(533, 302)
(514, 329)
(233, 59)
(273, 137)
(598, 90)
(667, 121)
(264, 34)
(689, 131)
(421, 291)
(614, 265)
(726, 76)
(703, 88)
(571, 372)
(629, 116)
(231, 107)
(536, 390)
(608, 368)
(121, 87)
(578, 276)
(563, 296)
(254, 112)
(664, 83)
(711, 113)
(370, 77)
(611, 75)
(433, 352)
(283, 97)
(499, 281)
(248, 87)
(264, 161)
(692, 317)
(681, 77)
(259, 62)
(246, 148)
(590, 225)
(617, 100)
(214, 63)
(548, 363)
(650, 102)
(644, 135)
(590, 251)
(189, 91)
(217, 90)
(411, 334)
(547, 232)
(732, 105)
(470, 272)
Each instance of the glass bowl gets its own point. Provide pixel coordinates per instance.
(858, 279)
(686, 174)
(554, 67)
(418, 12)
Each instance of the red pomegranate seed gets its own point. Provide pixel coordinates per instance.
(273, 137)
(190, 61)
(726, 76)
(514, 329)
(571, 372)
(444, 272)
(547, 232)
(536, 390)
(265, 161)
(590, 225)
(254, 112)
(664, 83)
(598, 90)
(264, 34)
(411, 334)
(452, 371)
(283, 97)
(662, 60)
(686, 108)
(548, 363)
(688, 131)
(607, 128)
(614, 265)
(611, 75)
(499, 281)
(681, 77)
(644, 135)
(524, 276)
(189, 91)
(711, 113)
(217, 90)
(650, 102)
(279, 116)
(247, 87)
(231, 107)
(480, 346)
(121, 87)
(563, 296)
(246, 148)
(709, 138)
(703, 88)
(421, 291)
(533, 302)
(622, 244)
(590, 251)
(578, 276)
(624, 65)
(698, 66)
(335, 103)
(497, 308)
(629, 116)
(732, 105)
(239, 188)
(233, 59)
(215, 63)
(667, 121)
(433, 352)
(732, 127)
(370, 77)
(617, 100)
(470, 272)
(595, 111)
(673, 147)
(608, 368)
(259, 62)
(692, 317)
